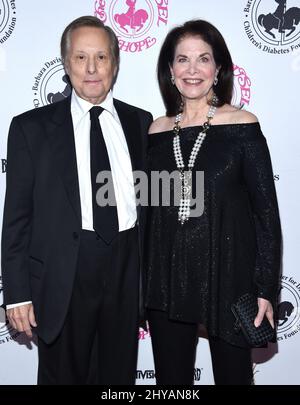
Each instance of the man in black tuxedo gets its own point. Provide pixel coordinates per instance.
(70, 264)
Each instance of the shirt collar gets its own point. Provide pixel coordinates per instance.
(82, 107)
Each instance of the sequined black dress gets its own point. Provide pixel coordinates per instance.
(196, 271)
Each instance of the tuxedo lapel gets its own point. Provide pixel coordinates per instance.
(62, 143)
(61, 139)
(131, 127)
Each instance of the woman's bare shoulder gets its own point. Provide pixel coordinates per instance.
(161, 124)
(231, 115)
(243, 116)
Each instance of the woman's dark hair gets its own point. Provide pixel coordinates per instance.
(90, 21)
(208, 33)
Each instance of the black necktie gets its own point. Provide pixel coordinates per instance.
(105, 218)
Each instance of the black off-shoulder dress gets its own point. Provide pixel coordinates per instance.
(196, 271)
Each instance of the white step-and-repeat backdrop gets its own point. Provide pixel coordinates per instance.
(267, 81)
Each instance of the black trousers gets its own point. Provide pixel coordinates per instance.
(99, 340)
(174, 348)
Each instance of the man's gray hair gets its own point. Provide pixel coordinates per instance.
(90, 21)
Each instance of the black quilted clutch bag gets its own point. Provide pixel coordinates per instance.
(245, 311)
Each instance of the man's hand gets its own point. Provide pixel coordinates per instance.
(22, 318)
(264, 308)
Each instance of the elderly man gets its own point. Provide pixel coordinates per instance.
(70, 263)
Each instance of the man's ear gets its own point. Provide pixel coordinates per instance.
(66, 66)
(116, 69)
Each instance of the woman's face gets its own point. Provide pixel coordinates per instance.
(193, 68)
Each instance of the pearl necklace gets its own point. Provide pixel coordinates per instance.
(186, 176)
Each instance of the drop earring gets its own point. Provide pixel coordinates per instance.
(216, 77)
(173, 80)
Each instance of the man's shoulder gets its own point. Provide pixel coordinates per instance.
(42, 112)
(129, 107)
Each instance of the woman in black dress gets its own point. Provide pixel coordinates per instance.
(198, 266)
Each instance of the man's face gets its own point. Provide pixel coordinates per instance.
(89, 63)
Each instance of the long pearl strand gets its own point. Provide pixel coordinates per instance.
(186, 176)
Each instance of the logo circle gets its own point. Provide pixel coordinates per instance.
(51, 84)
(137, 23)
(288, 322)
(7, 19)
(273, 26)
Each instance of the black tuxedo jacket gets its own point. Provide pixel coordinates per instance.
(42, 214)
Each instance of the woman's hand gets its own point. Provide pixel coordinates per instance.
(264, 308)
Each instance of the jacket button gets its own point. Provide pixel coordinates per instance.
(75, 235)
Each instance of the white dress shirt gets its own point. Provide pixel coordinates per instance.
(119, 159)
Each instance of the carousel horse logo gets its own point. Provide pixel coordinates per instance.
(51, 84)
(288, 310)
(137, 23)
(282, 20)
(285, 310)
(273, 26)
(60, 95)
(133, 19)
